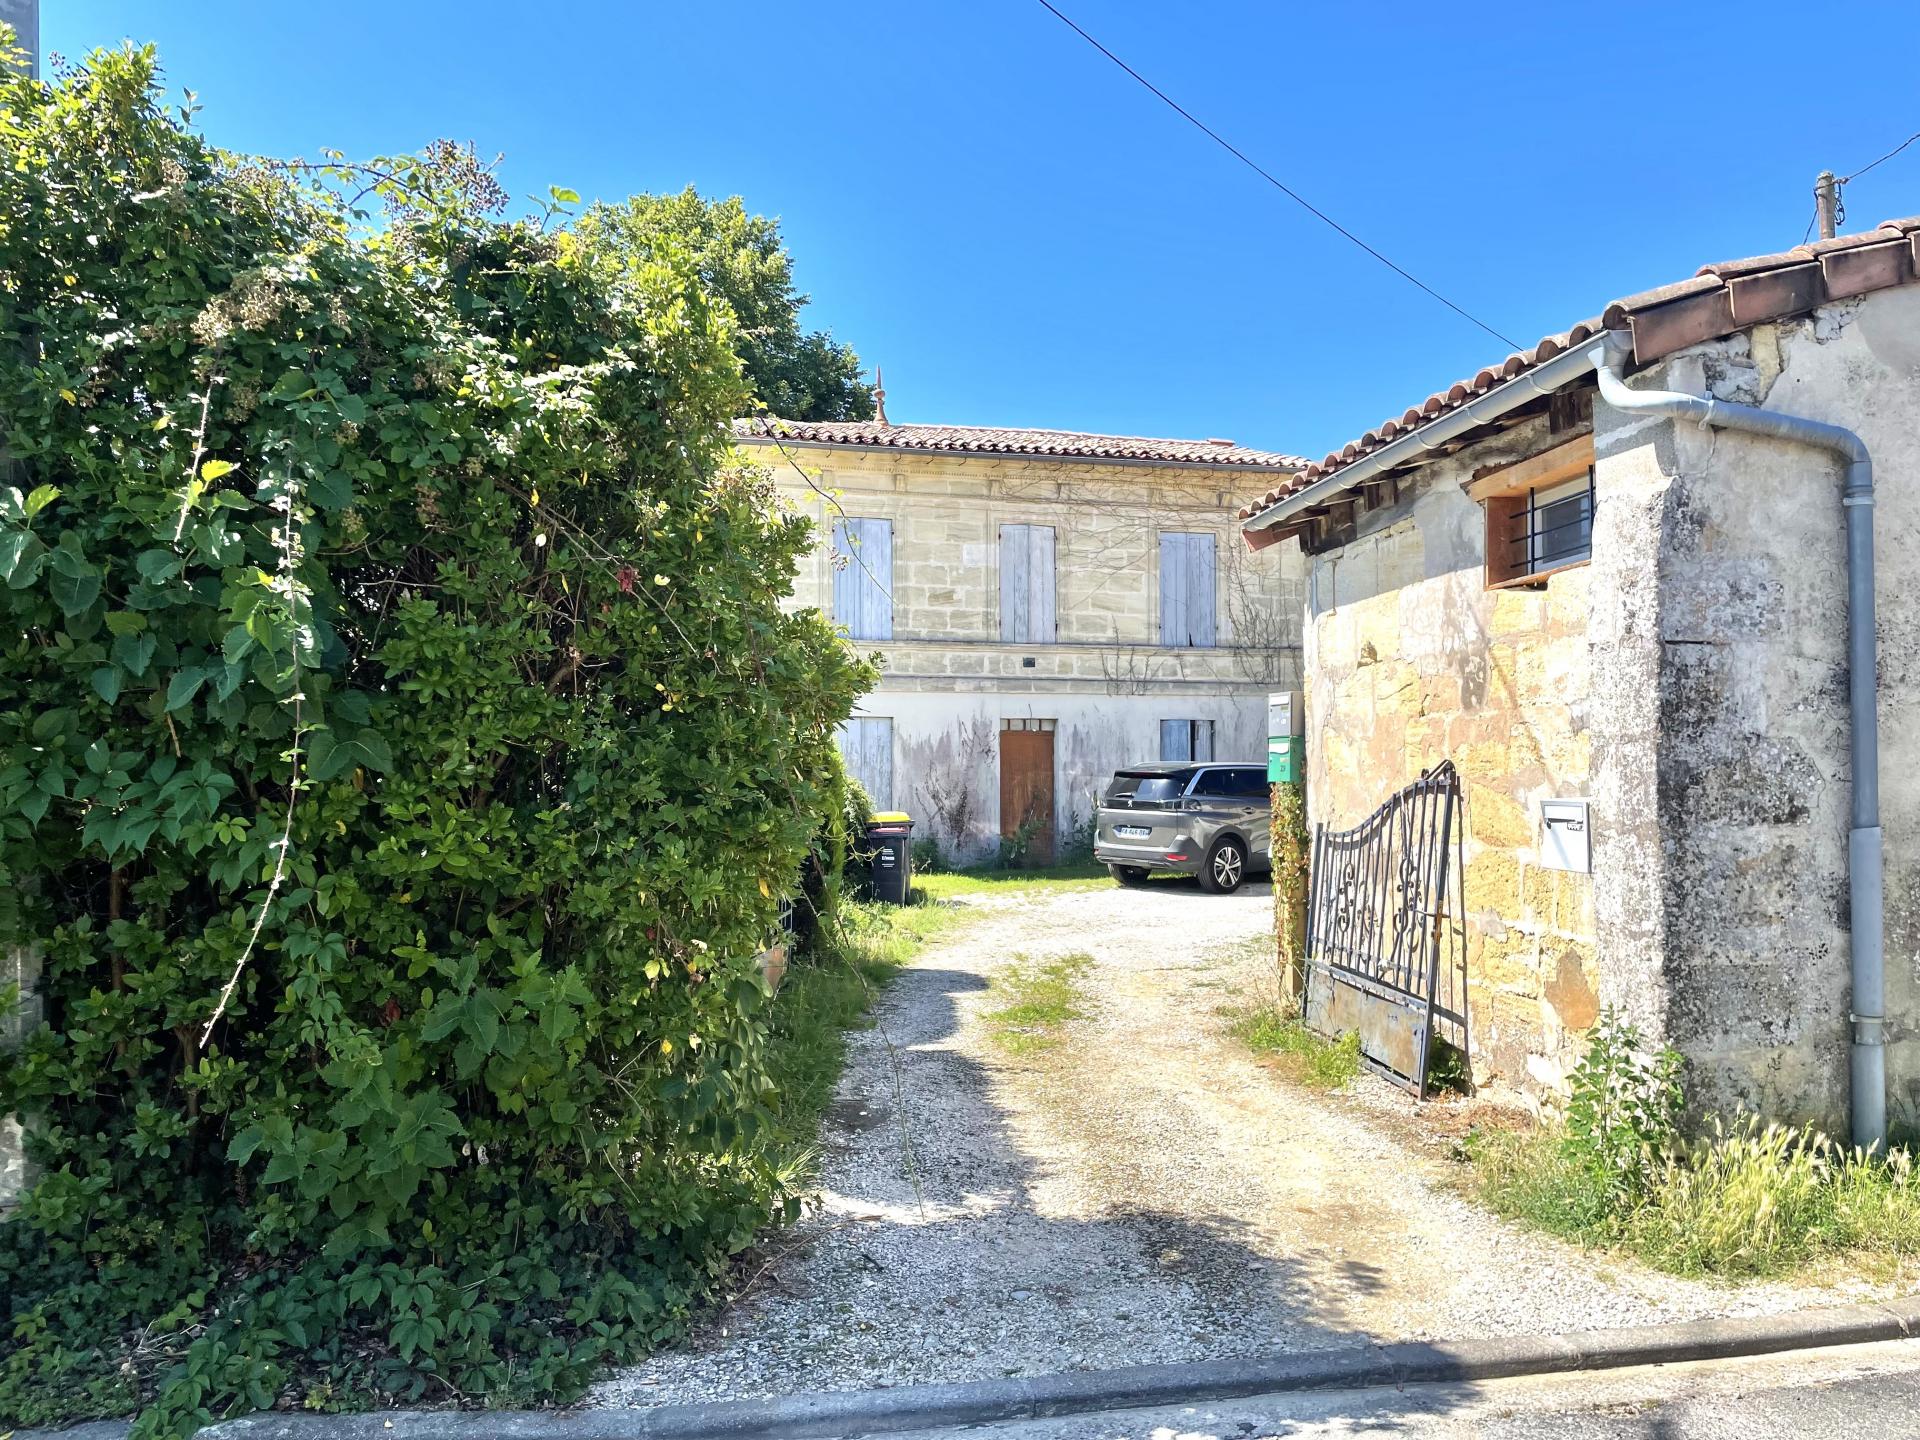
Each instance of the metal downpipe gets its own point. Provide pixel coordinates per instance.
(1865, 891)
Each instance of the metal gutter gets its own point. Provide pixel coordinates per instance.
(1865, 872)
(1417, 444)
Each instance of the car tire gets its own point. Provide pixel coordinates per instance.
(1128, 875)
(1225, 867)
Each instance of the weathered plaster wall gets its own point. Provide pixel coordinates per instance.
(1718, 637)
(947, 677)
(1411, 660)
(946, 745)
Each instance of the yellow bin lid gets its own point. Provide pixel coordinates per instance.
(891, 817)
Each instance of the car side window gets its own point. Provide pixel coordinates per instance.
(1251, 784)
(1214, 782)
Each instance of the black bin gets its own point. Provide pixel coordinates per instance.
(890, 838)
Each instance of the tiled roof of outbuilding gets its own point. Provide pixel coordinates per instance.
(1718, 300)
(1041, 444)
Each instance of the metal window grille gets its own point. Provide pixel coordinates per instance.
(1554, 527)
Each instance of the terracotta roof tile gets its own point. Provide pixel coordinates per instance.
(989, 440)
(1718, 300)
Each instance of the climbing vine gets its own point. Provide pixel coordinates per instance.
(403, 750)
(1290, 863)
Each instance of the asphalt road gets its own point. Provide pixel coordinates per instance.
(1837, 1394)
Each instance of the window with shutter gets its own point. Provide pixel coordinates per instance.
(1026, 584)
(866, 744)
(1186, 589)
(1186, 739)
(863, 578)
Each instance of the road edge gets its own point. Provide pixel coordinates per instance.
(923, 1407)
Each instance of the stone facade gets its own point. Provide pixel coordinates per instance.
(1412, 660)
(949, 681)
(1690, 680)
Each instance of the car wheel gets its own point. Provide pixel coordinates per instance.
(1226, 867)
(1128, 875)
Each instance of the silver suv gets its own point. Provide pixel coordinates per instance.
(1186, 818)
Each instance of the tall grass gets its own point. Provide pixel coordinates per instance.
(1746, 1200)
(1299, 1053)
(824, 995)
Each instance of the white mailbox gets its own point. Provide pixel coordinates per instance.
(1566, 837)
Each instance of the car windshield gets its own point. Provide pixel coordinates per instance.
(1153, 788)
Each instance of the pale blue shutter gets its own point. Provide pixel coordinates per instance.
(1203, 740)
(1186, 589)
(1173, 590)
(1176, 740)
(866, 744)
(1026, 584)
(863, 586)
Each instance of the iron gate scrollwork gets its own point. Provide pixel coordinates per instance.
(1379, 932)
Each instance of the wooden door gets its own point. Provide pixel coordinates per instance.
(1026, 787)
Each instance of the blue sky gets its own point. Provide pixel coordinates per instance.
(1020, 235)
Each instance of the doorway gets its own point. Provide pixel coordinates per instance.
(1026, 788)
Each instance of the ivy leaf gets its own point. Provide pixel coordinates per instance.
(184, 686)
(76, 584)
(331, 489)
(106, 683)
(156, 566)
(331, 754)
(22, 553)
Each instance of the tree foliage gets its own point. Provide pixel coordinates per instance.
(385, 591)
(796, 374)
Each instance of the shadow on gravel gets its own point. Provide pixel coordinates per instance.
(940, 1253)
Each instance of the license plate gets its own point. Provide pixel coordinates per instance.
(1132, 832)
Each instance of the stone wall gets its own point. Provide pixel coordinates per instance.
(1724, 769)
(1411, 660)
(947, 677)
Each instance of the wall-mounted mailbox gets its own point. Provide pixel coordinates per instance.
(1566, 837)
(1286, 731)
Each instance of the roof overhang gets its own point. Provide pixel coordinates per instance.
(1417, 446)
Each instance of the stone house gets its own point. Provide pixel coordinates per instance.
(1579, 594)
(1047, 606)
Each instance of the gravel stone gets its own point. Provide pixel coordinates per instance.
(1145, 1191)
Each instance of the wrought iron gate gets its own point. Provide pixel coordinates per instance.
(1379, 932)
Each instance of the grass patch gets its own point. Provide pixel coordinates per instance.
(1746, 1201)
(1039, 998)
(1751, 1201)
(1054, 880)
(826, 994)
(1298, 1053)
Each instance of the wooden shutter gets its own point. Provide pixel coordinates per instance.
(1176, 740)
(866, 744)
(1186, 589)
(1203, 740)
(863, 586)
(1026, 584)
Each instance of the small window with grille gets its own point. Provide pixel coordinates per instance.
(1539, 514)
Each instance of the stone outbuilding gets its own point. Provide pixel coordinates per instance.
(1646, 615)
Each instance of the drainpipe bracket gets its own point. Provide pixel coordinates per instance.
(1850, 499)
(1869, 1029)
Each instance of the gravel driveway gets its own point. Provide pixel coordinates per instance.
(1143, 1191)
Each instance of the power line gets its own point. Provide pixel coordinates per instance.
(1272, 180)
(1844, 179)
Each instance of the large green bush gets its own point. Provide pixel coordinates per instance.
(416, 513)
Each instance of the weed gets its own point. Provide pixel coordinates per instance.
(1040, 997)
(1052, 881)
(824, 995)
(1300, 1054)
(1747, 1200)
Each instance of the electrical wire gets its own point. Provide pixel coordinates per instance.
(1271, 179)
(1840, 209)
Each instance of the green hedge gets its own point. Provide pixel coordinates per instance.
(415, 509)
